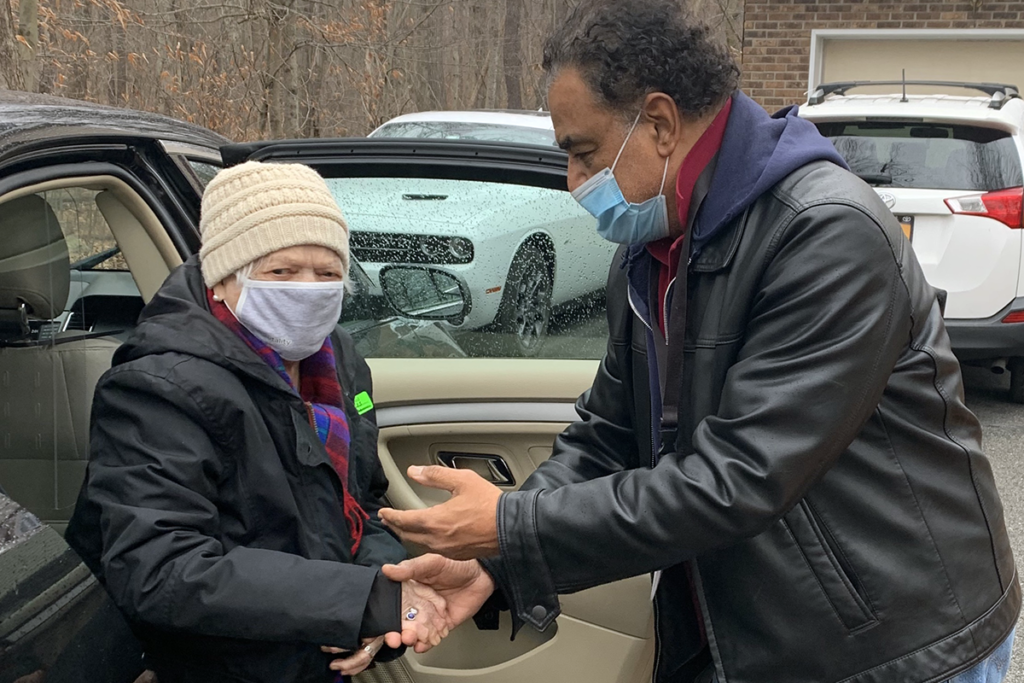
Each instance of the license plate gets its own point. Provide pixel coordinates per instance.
(907, 223)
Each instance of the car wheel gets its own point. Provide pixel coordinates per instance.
(525, 310)
(1017, 380)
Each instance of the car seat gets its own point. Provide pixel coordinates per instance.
(47, 376)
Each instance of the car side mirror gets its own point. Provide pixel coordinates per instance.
(425, 293)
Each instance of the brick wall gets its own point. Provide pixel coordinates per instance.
(777, 34)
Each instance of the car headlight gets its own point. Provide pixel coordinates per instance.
(461, 249)
(432, 248)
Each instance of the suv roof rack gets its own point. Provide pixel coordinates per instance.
(999, 92)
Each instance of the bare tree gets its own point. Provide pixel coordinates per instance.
(291, 68)
(512, 55)
(28, 42)
(10, 71)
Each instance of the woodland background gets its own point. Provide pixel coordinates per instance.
(256, 69)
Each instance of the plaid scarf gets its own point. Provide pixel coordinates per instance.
(321, 392)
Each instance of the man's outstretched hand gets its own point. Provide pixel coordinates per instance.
(464, 527)
(464, 586)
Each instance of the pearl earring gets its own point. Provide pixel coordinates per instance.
(217, 298)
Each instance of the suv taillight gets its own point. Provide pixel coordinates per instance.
(1004, 205)
(1014, 317)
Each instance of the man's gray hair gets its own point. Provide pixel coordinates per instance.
(626, 49)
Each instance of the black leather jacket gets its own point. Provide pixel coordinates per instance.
(827, 493)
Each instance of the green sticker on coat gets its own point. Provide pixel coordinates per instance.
(363, 402)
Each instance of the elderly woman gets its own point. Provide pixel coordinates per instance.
(230, 502)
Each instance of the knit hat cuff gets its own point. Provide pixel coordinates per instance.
(221, 258)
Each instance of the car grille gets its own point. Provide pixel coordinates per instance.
(374, 247)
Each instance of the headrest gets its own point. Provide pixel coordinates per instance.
(34, 265)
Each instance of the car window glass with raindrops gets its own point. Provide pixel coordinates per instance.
(204, 171)
(454, 268)
(927, 156)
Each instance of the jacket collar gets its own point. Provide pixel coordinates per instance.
(758, 151)
(178, 320)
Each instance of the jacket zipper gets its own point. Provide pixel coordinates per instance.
(629, 297)
(668, 290)
(664, 307)
(310, 415)
(654, 455)
(654, 462)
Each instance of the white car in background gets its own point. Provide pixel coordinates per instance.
(495, 125)
(519, 250)
(949, 167)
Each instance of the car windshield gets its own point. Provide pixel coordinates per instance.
(454, 130)
(927, 155)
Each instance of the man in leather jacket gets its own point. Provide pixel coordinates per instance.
(777, 431)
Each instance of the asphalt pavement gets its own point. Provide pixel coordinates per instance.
(1003, 429)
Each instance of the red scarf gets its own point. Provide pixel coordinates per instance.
(321, 391)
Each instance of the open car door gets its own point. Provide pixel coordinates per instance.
(484, 242)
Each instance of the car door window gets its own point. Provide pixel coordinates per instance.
(91, 246)
(66, 299)
(204, 171)
(103, 296)
(526, 261)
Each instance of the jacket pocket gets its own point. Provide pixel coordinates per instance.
(822, 556)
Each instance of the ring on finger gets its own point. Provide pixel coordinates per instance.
(411, 613)
(372, 649)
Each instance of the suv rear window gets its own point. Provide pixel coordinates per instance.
(927, 155)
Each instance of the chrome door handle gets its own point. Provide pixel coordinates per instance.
(492, 468)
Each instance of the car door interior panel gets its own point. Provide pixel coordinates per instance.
(575, 651)
(507, 412)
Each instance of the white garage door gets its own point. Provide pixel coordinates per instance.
(926, 55)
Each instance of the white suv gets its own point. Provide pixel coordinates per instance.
(949, 167)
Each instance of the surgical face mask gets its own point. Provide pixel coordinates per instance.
(293, 318)
(618, 220)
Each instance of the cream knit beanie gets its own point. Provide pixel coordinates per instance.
(254, 209)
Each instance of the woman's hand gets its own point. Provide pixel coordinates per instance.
(463, 585)
(426, 628)
(424, 616)
(357, 662)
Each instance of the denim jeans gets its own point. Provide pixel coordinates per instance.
(992, 669)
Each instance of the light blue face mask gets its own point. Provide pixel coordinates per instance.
(618, 220)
